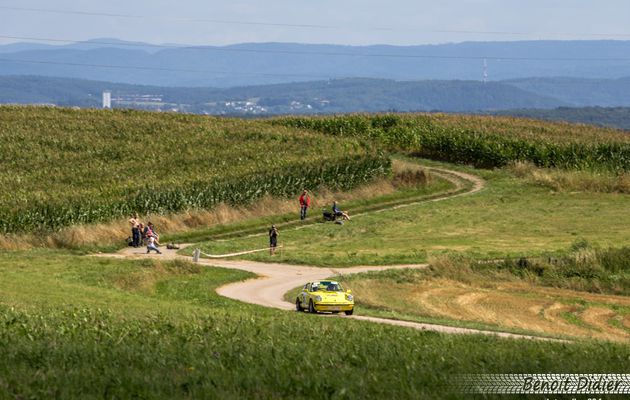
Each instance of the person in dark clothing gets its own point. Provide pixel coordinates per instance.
(305, 203)
(142, 233)
(339, 213)
(273, 240)
(135, 230)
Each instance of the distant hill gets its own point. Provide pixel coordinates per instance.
(580, 92)
(613, 117)
(331, 96)
(270, 63)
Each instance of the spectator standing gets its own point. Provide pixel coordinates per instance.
(142, 233)
(135, 230)
(273, 240)
(305, 203)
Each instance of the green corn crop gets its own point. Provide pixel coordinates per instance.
(482, 141)
(62, 167)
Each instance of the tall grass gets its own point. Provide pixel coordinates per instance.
(573, 181)
(581, 267)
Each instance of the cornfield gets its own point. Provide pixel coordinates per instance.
(62, 167)
(483, 141)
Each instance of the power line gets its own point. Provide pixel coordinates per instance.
(163, 69)
(132, 67)
(322, 53)
(179, 19)
(310, 26)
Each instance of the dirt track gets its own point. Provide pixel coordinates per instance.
(277, 279)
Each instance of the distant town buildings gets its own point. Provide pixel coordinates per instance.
(237, 106)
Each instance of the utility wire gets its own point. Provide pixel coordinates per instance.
(179, 19)
(147, 68)
(309, 26)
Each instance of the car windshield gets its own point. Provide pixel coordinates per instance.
(333, 287)
(326, 286)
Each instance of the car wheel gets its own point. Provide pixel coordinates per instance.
(311, 307)
(298, 305)
(349, 312)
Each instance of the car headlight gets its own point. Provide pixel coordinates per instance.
(318, 298)
(349, 297)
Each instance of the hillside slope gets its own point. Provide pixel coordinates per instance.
(579, 92)
(60, 167)
(267, 63)
(334, 96)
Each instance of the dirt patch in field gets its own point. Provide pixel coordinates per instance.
(514, 305)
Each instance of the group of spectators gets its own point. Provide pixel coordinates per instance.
(305, 203)
(144, 235)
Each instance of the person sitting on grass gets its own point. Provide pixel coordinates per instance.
(151, 245)
(339, 213)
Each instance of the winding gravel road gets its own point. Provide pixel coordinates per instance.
(274, 279)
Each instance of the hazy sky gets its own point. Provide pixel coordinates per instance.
(357, 22)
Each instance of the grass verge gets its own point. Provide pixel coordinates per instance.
(82, 327)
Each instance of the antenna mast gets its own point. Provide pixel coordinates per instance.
(485, 70)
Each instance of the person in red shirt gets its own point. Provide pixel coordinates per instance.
(305, 203)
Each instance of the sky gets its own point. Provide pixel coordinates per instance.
(347, 22)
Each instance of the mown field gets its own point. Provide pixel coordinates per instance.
(574, 287)
(582, 294)
(511, 217)
(83, 327)
(60, 167)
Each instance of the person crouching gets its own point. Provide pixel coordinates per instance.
(151, 245)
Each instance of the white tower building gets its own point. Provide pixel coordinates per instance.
(107, 99)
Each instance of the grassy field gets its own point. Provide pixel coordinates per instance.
(254, 236)
(76, 326)
(83, 327)
(60, 167)
(576, 300)
(511, 217)
(409, 182)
